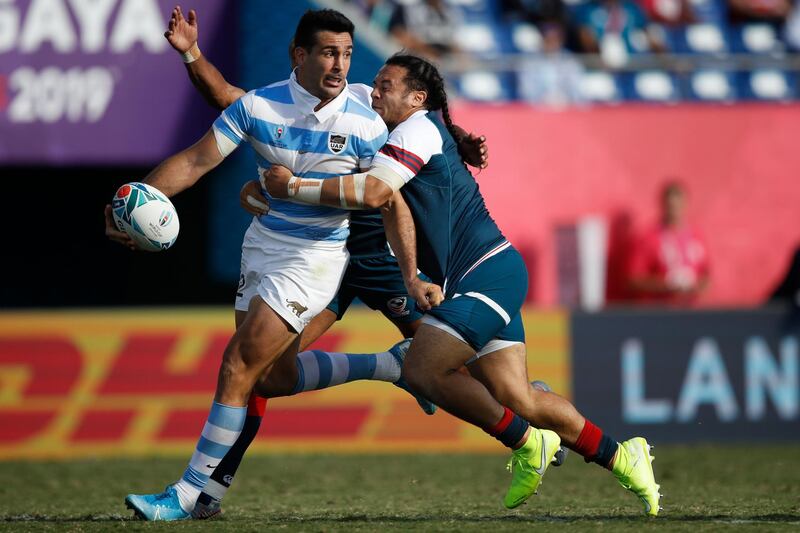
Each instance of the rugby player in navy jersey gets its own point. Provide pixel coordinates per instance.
(437, 221)
(372, 275)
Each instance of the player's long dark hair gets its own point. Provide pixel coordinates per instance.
(423, 76)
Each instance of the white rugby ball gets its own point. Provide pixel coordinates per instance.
(146, 215)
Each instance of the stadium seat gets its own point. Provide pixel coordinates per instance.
(485, 86)
(705, 39)
(769, 85)
(710, 86)
(755, 39)
(600, 87)
(526, 38)
(650, 86)
(477, 38)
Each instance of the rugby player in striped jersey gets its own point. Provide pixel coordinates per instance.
(372, 276)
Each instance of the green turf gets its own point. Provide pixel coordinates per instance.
(706, 488)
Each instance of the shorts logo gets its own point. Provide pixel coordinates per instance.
(398, 306)
(240, 288)
(296, 307)
(337, 142)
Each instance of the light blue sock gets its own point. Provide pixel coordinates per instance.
(319, 370)
(222, 428)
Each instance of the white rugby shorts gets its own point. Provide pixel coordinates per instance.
(297, 280)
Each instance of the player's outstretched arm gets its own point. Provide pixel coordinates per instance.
(402, 237)
(366, 190)
(182, 36)
(183, 169)
(172, 176)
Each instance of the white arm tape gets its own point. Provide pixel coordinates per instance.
(306, 190)
(191, 55)
(224, 144)
(360, 182)
(388, 176)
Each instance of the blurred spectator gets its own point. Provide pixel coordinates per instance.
(378, 12)
(614, 29)
(669, 12)
(427, 27)
(771, 11)
(669, 264)
(792, 28)
(552, 78)
(538, 12)
(788, 290)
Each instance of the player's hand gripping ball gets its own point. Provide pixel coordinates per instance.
(146, 215)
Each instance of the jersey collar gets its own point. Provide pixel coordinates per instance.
(306, 102)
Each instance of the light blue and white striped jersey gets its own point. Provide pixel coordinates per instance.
(281, 125)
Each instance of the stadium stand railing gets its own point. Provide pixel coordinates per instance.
(709, 60)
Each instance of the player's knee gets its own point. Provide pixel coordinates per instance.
(515, 397)
(416, 377)
(234, 382)
(279, 381)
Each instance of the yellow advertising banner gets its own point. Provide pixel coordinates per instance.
(128, 383)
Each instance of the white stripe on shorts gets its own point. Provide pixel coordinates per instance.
(435, 322)
(492, 346)
(491, 253)
(491, 303)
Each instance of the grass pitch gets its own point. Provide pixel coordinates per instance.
(754, 488)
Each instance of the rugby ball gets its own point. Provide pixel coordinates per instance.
(146, 215)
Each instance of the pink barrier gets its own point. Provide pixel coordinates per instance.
(740, 164)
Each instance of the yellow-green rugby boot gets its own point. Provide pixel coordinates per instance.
(528, 464)
(634, 471)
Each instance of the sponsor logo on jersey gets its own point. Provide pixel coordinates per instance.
(296, 307)
(398, 306)
(337, 142)
(279, 132)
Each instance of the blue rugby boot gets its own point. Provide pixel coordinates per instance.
(164, 506)
(399, 351)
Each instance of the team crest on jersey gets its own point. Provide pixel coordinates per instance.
(337, 142)
(398, 306)
(279, 132)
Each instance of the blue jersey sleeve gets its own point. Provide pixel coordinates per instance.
(235, 122)
(369, 145)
